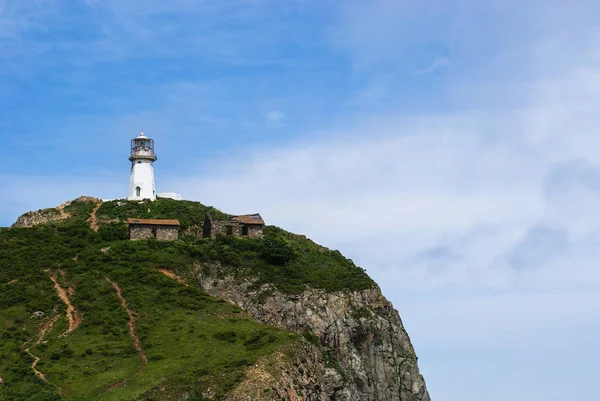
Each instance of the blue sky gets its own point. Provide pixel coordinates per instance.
(450, 148)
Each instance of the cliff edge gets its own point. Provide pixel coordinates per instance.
(89, 314)
(368, 353)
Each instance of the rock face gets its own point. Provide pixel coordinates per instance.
(31, 219)
(371, 357)
(294, 374)
(43, 216)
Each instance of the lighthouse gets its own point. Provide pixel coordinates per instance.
(141, 180)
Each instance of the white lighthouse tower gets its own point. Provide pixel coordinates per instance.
(141, 181)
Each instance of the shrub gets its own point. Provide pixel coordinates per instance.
(312, 338)
(113, 232)
(228, 336)
(276, 251)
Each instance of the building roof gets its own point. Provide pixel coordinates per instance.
(249, 219)
(154, 222)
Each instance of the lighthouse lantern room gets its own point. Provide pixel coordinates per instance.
(141, 180)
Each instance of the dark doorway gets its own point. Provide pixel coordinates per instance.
(154, 233)
(245, 230)
(229, 230)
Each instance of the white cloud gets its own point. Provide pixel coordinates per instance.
(482, 227)
(275, 118)
(439, 213)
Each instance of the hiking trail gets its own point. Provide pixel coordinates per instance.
(137, 343)
(36, 359)
(46, 328)
(73, 316)
(93, 223)
(117, 384)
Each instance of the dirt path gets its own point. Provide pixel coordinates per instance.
(137, 343)
(117, 384)
(92, 219)
(35, 362)
(172, 275)
(73, 316)
(46, 328)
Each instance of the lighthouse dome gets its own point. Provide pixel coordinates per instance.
(142, 147)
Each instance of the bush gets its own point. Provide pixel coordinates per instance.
(312, 338)
(276, 251)
(228, 336)
(113, 232)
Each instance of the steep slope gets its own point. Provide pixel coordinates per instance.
(372, 357)
(278, 318)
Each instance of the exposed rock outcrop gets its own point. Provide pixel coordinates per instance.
(361, 332)
(43, 216)
(295, 373)
(31, 219)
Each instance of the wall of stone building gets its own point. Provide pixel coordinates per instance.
(163, 233)
(140, 232)
(219, 227)
(170, 233)
(255, 231)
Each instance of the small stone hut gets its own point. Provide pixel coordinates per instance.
(247, 225)
(162, 230)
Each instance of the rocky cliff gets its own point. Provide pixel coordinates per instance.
(295, 373)
(368, 354)
(314, 326)
(35, 218)
(43, 216)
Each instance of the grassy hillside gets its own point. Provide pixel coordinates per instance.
(189, 342)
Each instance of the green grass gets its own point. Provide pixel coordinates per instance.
(193, 341)
(180, 327)
(290, 262)
(188, 213)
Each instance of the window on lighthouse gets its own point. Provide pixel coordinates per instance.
(138, 191)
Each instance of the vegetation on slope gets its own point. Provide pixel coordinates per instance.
(188, 213)
(194, 343)
(290, 262)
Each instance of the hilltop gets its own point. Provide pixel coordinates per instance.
(88, 314)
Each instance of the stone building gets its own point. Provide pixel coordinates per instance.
(162, 230)
(247, 225)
